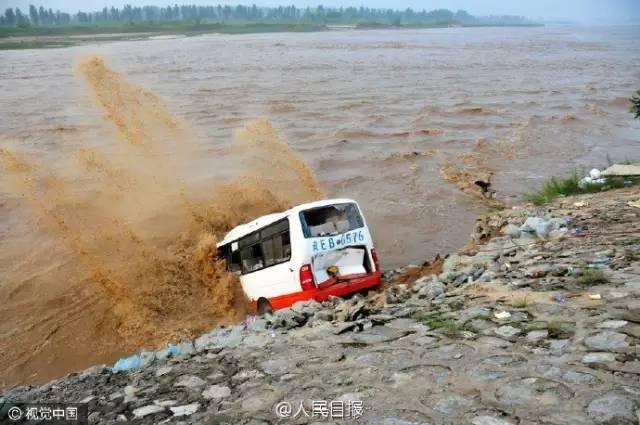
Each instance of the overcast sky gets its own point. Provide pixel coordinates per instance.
(575, 10)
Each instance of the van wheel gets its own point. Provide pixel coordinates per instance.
(264, 307)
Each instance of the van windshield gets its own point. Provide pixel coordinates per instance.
(330, 220)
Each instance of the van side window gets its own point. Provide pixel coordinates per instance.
(264, 248)
(235, 265)
(276, 249)
(251, 258)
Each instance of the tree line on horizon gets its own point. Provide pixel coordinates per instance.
(41, 16)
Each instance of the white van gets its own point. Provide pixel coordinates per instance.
(311, 251)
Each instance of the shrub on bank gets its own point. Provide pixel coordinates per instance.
(558, 187)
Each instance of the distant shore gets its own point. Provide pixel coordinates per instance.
(35, 37)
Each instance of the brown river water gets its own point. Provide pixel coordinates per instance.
(122, 163)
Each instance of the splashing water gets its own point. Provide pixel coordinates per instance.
(141, 243)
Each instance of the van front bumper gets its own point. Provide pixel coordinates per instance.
(338, 289)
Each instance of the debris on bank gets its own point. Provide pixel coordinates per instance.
(615, 171)
(537, 321)
(623, 170)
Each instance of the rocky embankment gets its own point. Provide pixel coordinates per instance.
(537, 322)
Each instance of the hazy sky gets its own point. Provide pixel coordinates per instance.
(576, 10)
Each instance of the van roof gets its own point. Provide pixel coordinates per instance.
(260, 222)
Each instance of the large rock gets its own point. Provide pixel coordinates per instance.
(395, 294)
(489, 420)
(324, 315)
(612, 409)
(507, 332)
(511, 230)
(595, 358)
(579, 378)
(190, 381)
(164, 370)
(452, 262)
(143, 411)
(607, 341)
(474, 313)
(431, 289)
(216, 392)
(612, 324)
(220, 338)
(453, 405)
(288, 319)
(276, 366)
(307, 308)
(535, 337)
(185, 410)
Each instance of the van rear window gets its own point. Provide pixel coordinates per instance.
(330, 220)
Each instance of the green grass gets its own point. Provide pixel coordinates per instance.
(566, 186)
(188, 28)
(34, 44)
(520, 302)
(33, 37)
(447, 326)
(559, 330)
(42, 36)
(593, 277)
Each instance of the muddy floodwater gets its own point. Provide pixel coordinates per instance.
(115, 158)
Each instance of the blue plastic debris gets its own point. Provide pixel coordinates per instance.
(185, 348)
(170, 351)
(134, 362)
(127, 363)
(173, 350)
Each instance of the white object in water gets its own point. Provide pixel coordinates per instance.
(590, 180)
(594, 174)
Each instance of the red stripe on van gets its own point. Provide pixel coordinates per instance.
(338, 289)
